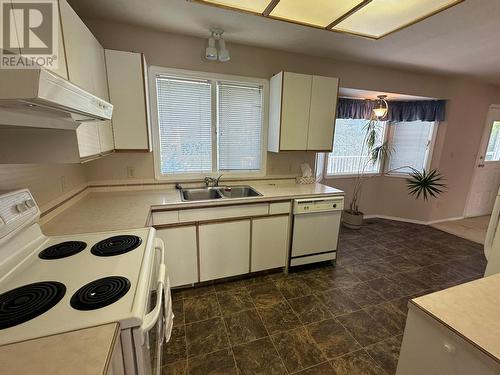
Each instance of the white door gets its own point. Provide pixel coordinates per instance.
(269, 242)
(486, 180)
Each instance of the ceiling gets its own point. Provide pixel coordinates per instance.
(372, 95)
(461, 40)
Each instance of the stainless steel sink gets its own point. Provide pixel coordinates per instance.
(200, 194)
(211, 193)
(239, 192)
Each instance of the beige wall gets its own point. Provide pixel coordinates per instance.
(458, 138)
(49, 183)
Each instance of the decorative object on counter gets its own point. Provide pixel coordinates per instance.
(307, 175)
(423, 184)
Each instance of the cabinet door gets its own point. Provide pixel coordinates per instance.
(106, 136)
(87, 135)
(224, 249)
(181, 254)
(322, 115)
(295, 106)
(269, 242)
(128, 95)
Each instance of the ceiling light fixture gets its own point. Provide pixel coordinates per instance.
(211, 52)
(381, 107)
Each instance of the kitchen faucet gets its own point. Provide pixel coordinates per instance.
(212, 181)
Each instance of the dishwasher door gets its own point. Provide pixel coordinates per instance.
(315, 233)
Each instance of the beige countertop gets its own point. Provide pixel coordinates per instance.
(117, 210)
(472, 310)
(83, 352)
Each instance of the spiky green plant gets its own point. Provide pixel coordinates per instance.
(426, 184)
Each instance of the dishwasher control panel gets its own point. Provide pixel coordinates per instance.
(303, 206)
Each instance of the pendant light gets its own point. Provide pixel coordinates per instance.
(211, 52)
(381, 107)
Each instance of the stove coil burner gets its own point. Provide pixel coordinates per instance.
(116, 245)
(62, 250)
(29, 301)
(100, 293)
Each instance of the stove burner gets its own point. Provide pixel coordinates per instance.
(62, 250)
(115, 245)
(100, 293)
(29, 301)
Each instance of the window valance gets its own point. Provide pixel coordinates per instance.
(423, 110)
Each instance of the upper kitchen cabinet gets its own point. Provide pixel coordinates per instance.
(302, 112)
(127, 79)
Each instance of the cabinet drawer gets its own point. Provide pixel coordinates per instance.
(165, 217)
(279, 208)
(214, 213)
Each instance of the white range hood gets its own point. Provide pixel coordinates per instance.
(29, 95)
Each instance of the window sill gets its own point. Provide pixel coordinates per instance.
(181, 177)
(354, 175)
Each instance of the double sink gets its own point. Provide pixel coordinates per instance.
(218, 192)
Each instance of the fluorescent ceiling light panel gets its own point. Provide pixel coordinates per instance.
(381, 17)
(319, 13)
(254, 6)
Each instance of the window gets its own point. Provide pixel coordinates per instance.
(208, 124)
(493, 149)
(410, 142)
(349, 154)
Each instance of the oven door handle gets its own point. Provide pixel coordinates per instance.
(151, 318)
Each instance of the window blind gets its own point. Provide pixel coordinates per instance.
(185, 122)
(410, 144)
(239, 126)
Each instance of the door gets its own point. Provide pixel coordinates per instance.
(486, 179)
(322, 114)
(295, 107)
(269, 242)
(224, 249)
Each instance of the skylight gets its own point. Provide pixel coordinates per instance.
(368, 18)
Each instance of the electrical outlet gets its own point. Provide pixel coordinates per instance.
(130, 172)
(64, 184)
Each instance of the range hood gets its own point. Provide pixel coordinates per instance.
(27, 95)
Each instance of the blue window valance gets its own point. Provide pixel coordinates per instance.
(423, 110)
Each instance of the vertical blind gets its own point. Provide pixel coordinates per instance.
(185, 124)
(239, 126)
(410, 145)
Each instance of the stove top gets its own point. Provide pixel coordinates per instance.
(29, 301)
(116, 245)
(62, 250)
(100, 293)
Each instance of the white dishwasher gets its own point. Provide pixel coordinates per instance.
(316, 223)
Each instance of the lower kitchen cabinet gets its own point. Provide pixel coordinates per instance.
(269, 242)
(224, 249)
(181, 254)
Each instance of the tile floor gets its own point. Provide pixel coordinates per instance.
(346, 319)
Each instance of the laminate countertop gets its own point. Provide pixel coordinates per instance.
(471, 310)
(118, 210)
(83, 352)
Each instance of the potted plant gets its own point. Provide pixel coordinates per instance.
(423, 184)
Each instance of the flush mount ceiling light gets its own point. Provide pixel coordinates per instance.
(368, 18)
(381, 107)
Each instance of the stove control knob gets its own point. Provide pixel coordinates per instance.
(21, 207)
(29, 203)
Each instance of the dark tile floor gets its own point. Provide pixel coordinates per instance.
(346, 319)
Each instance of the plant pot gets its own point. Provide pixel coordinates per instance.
(352, 220)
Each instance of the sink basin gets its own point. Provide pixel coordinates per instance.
(239, 192)
(200, 194)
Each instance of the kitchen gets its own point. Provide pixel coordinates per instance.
(242, 297)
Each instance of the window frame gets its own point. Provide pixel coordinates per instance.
(388, 136)
(158, 71)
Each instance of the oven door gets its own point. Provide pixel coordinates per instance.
(149, 337)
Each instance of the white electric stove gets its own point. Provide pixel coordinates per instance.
(51, 285)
